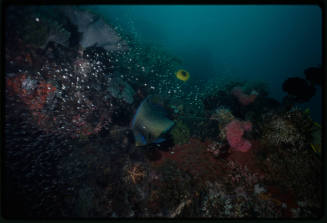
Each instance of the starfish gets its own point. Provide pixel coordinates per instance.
(135, 173)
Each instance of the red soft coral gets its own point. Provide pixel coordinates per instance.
(234, 133)
(243, 98)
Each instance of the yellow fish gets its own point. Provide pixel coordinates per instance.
(317, 124)
(316, 148)
(307, 111)
(182, 75)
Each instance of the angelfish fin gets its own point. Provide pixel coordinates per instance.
(140, 139)
(159, 140)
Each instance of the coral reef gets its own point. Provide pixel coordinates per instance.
(291, 169)
(223, 116)
(135, 173)
(316, 139)
(244, 99)
(234, 134)
(281, 131)
(144, 65)
(193, 158)
(292, 129)
(258, 86)
(217, 148)
(120, 89)
(70, 149)
(39, 30)
(33, 95)
(219, 202)
(180, 133)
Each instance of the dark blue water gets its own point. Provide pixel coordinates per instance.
(266, 43)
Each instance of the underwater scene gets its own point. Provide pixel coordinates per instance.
(162, 111)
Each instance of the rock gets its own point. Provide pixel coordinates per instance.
(120, 89)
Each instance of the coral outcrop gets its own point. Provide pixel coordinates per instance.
(120, 89)
(234, 134)
(180, 133)
(244, 99)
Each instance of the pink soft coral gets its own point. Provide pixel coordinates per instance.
(234, 133)
(243, 98)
